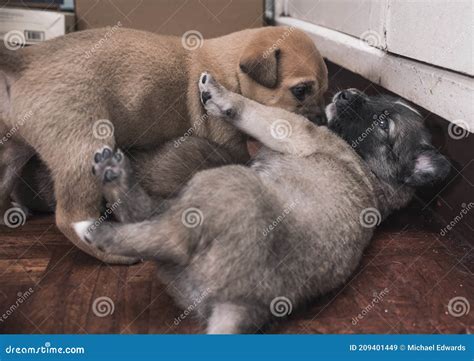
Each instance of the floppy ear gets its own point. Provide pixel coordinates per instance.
(260, 64)
(430, 167)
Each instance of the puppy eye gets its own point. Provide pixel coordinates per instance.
(383, 123)
(300, 91)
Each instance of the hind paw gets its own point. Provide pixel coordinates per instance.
(109, 166)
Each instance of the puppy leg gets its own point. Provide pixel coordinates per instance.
(233, 318)
(64, 130)
(77, 192)
(163, 172)
(13, 157)
(37, 193)
(276, 128)
(125, 197)
(159, 239)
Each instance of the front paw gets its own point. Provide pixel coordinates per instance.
(110, 166)
(217, 100)
(206, 88)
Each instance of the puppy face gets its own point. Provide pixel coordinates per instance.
(281, 67)
(389, 135)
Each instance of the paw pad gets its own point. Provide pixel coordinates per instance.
(110, 175)
(108, 165)
(205, 96)
(103, 154)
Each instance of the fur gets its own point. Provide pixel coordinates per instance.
(145, 85)
(293, 225)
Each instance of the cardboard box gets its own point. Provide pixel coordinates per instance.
(26, 26)
(33, 4)
(173, 17)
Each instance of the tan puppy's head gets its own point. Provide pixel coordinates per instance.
(282, 67)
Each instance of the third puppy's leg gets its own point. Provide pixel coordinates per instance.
(125, 197)
(165, 171)
(13, 157)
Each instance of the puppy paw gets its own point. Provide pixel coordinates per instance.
(94, 234)
(84, 230)
(110, 166)
(217, 100)
(203, 87)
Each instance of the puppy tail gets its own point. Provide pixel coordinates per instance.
(235, 318)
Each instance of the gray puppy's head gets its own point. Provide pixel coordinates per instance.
(389, 135)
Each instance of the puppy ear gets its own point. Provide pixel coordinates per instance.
(260, 64)
(430, 167)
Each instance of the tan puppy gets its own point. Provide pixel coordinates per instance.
(54, 96)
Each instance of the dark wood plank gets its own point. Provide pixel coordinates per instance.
(421, 270)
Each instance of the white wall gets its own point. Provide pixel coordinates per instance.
(422, 50)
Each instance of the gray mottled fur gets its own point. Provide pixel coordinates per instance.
(287, 226)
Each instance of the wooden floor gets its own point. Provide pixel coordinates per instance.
(415, 272)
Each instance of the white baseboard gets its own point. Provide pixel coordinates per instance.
(443, 92)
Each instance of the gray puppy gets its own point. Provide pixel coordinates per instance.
(249, 241)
